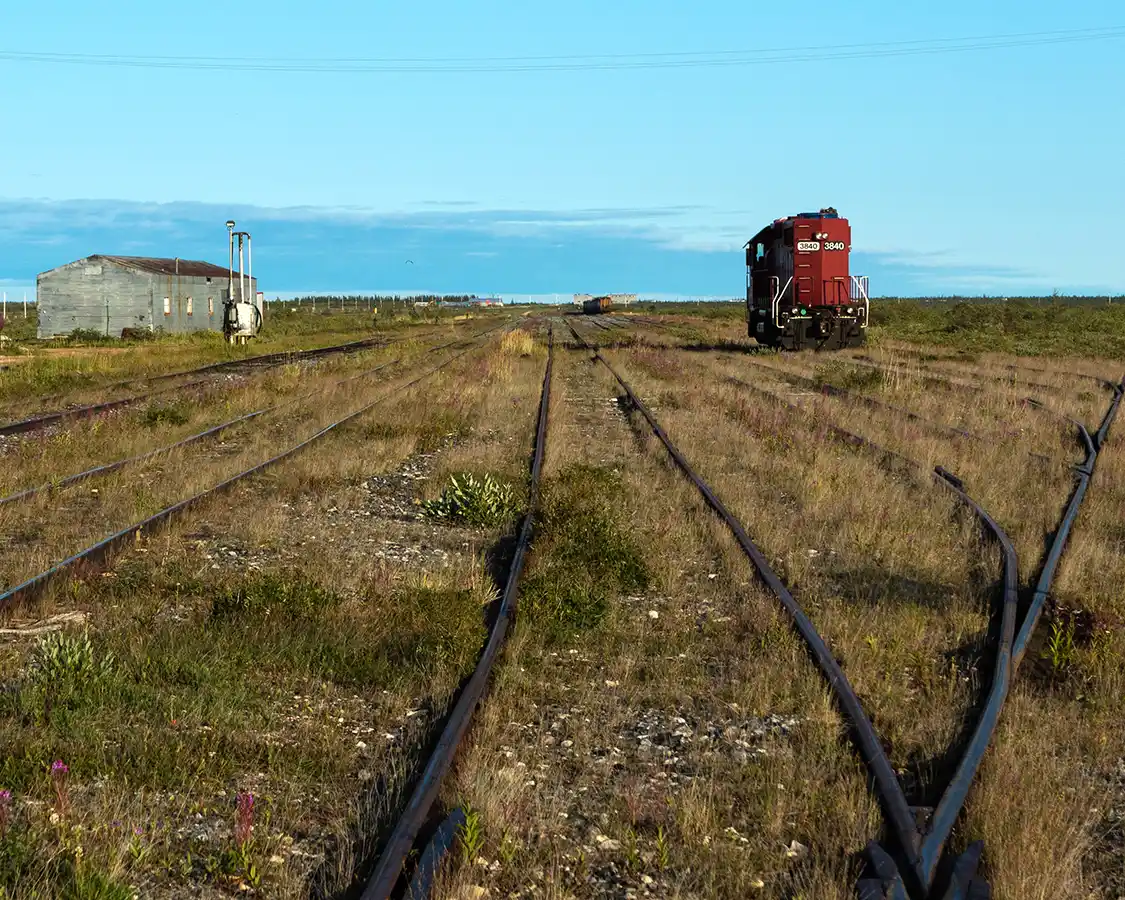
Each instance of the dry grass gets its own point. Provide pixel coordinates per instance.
(899, 584)
(655, 726)
(306, 668)
(51, 379)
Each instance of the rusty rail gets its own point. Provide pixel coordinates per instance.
(109, 468)
(389, 867)
(45, 420)
(99, 552)
(910, 869)
(1084, 473)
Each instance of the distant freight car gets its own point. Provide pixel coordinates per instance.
(799, 292)
(597, 305)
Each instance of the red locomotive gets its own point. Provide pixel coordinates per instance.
(799, 293)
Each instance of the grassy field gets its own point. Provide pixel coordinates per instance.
(239, 704)
(86, 367)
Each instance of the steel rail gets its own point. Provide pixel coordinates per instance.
(940, 379)
(921, 852)
(109, 468)
(39, 422)
(831, 390)
(945, 815)
(100, 551)
(262, 359)
(1084, 473)
(1011, 367)
(1011, 380)
(897, 460)
(896, 808)
(389, 866)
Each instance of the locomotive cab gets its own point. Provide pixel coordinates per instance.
(799, 292)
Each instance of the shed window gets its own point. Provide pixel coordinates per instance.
(189, 306)
(167, 306)
(210, 306)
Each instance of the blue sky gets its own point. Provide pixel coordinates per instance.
(976, 171)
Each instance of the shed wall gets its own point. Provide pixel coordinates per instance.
(107, 298)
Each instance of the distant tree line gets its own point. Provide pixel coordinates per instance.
(383, 300)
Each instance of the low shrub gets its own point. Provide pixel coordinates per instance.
(484, 502)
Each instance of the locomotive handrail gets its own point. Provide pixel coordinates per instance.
(775, 303)
(859, 292)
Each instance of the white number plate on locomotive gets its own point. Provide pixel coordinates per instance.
(834, 245)
(808, 245)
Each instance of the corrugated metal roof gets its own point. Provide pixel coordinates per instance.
(160, 266)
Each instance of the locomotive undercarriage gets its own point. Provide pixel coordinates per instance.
(818, 329)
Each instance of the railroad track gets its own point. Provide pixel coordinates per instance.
(213, 431)
(389, 873)
(911, 862)
(99, 553)
(270, 360)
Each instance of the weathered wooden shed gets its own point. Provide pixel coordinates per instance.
(108, 294)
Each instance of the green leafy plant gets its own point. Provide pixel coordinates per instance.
(483, 502)
(509, 847)
(470, 835)
(65, 658)
(632, 850)
(1060, 647)
(663, 851)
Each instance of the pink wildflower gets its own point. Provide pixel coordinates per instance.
(59, 771)
(244, 824)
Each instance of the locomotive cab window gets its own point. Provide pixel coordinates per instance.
(759, 251)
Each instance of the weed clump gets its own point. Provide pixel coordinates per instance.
(164, 414)
(849, 378)
(484, 502)
(273, 596)
(433, 628)
(68, 660)
(517, 343)
(585, 556)
(87, 336)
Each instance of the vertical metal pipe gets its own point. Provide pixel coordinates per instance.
(250, 274)
(230, 283)
(241, 273)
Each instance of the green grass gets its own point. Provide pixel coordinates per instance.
(1025, 328)
(585, 556)
(187, 704)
